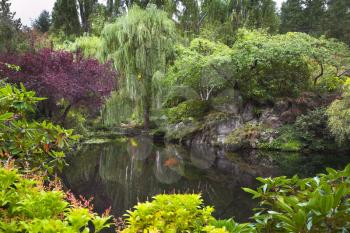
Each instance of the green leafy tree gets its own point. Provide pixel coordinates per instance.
(139, 43)
(261, 66)
(224, 18)
(43, 22)
(205, 67)
(65, 17)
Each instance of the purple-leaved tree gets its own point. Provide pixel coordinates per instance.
(61, 75)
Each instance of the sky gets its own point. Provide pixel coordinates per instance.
(28, 10)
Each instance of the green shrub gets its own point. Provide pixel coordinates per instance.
(89, 46)
(229, 225)
(288, 139)
(319, 204)
(37, 144)
(76, 120)
(330, 84)
(339, 117)
(186, 110)
(314, 123)
(25, 206)
(310, 205)
(313, 130)
(170, 213)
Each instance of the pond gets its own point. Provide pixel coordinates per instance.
(123, 172)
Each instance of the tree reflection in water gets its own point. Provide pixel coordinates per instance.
(120, 174)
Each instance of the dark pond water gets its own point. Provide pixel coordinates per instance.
(121, 173)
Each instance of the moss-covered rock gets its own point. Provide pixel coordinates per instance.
(182, 131)
(244, 137)
(190, 109)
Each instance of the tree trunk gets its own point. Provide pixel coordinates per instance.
(320, 75)
(65, 113)
(147, 102)
(146, 114)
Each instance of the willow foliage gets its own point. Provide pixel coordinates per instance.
(140, 44)
(339, 116)
(140, 41)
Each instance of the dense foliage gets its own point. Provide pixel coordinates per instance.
(318, 204)
(66, 80)
(259, 65)
(170, 213)
(216, 69)
(65, 17)
(27, 206)
(216, 19)
(39, 145)
(35, 148)
(338, 113)
(89, 46)
(205, 67)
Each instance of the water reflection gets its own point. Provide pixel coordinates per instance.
(202, 156)
(120, 174)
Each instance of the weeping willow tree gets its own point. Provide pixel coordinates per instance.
(139, 43)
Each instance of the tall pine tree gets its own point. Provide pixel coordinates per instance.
(314, 17)
(9, 26)
(292, 16)
(65, 17)
(338, 20)
(43, 22)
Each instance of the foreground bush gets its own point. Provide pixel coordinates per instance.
(39, 145)
(170, 213)
(319, 204)
(25, 206)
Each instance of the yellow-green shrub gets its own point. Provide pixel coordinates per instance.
(25, 206)
(170, 213)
